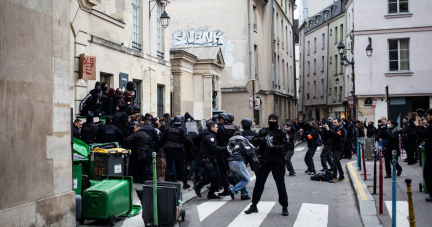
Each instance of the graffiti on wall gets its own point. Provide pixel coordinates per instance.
(194, 37)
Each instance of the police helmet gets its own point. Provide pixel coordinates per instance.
(231, 117)
(224, 116)
(178, 120)
(246, 122)
(214, 118)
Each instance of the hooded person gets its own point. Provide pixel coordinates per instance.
(125, 101)
(107, 102)
(187, 117)
(89, 130)
(90, 102)
(130, 86)
(273, 144)
(104, 87)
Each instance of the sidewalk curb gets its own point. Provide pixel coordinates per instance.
(365, 200)
(192, 195)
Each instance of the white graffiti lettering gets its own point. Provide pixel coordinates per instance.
(193, 37)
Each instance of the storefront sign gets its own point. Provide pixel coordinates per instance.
(368, 102)
(123, 80)
(87, 67)
(351, 103)
(374, 103)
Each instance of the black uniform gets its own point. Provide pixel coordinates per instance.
(89, 130)
(174, 138)
(109, 133)
(225, 132)
(325, 153)
(412, 142)
(337, 144)
(312, 147)
(272, 160)
(76, 132)
(426, 134)
(207, 159)
(392, 136)
(290, 152)
(139, 143)
(249, 134)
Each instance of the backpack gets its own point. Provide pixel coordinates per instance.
(319, 141)
(345, 134)
(322, 176)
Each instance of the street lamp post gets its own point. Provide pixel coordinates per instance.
(346, 62)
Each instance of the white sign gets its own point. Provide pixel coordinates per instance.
(75, 183)
(118, 168)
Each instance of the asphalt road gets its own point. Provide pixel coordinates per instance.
(311, 203)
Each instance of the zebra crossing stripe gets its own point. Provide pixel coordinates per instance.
(252, 178)
(254, 219)
(207, 208)
(312, 215)
(401, 212)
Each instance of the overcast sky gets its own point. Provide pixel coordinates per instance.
(296, 13)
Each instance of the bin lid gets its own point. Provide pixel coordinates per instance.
(77, 158)
(111, 151)
(80, 147)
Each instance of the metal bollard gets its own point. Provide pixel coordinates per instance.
(358, 154)
(381, 185)
(155, 212)
(375, 172)
(364, 164)
(410, 203)
(394, 186)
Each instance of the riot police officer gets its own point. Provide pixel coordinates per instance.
(224, 133)
(247, 132)
(89, 130)
(273, 144)
(231, 117)
(108, 132)
(207, 159)
(175, 137)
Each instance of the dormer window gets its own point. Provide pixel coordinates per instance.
(333, 9)
(325, 14)
(317, 19)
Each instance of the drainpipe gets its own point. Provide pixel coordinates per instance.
(250, 59)
(328, 52)
(273, 57)
(294, 60)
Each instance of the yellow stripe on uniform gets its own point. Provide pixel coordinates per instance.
(360, 189)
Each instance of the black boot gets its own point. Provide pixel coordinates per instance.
(225, 192)
(429, 199)
(197, 190)
(211, 195)
(285, 211)
(252, 209)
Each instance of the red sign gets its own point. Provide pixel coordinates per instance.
(351, 103)
(87, 67)
(374, 103)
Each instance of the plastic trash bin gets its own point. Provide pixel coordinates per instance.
(423, 187)
(110, 198)
(112, 162)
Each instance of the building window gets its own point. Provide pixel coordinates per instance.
(106, 77)
(336, 34)
(308, 68)
(256, 61)
(135, 25)
(399, 54)
(398, 6)
(329, 94)
(282, 38)
(331, 32)
(322, 87)
(331, 58)
(290, 49)
(322, 68)
(314, 45)
(314, 66)
(160, 100)
(316, 19)
(138, 95)
(341, 32)
(315, 93)
(160, 53)
(255, 25)
(336, 64)
(340, 93)
(308, 47)
(325, 14)
(323, 41)
(308, 90)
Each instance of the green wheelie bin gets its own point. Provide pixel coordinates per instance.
(422, 186)
(110, 198)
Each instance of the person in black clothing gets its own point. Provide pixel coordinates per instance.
(273, 144)
(412, 140)
(424, 131)
(108, 102)
(337, 134)
(225, 132)
(108, 132)
(207, 159)
(90, 102)
(104, 87)
(231, 117)
(392, 136)
(139, 143)
(116, 99)
(77, 125)
(187, 117)
(311, 137)
(175, 137)
(130, 86)
(154, 139)
(290, 140)
(371, 130)
(325, 153)
(247, 132)
(89, 130)
(347, 153)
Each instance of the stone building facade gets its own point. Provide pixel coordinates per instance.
(197, 23)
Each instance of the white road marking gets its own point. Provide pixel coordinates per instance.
(227, 198)
(312, 215)
(252, 178)
(401, 212)
(299, 148)
(207, 208)
(254, 219)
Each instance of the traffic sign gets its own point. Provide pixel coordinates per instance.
(253, 86)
